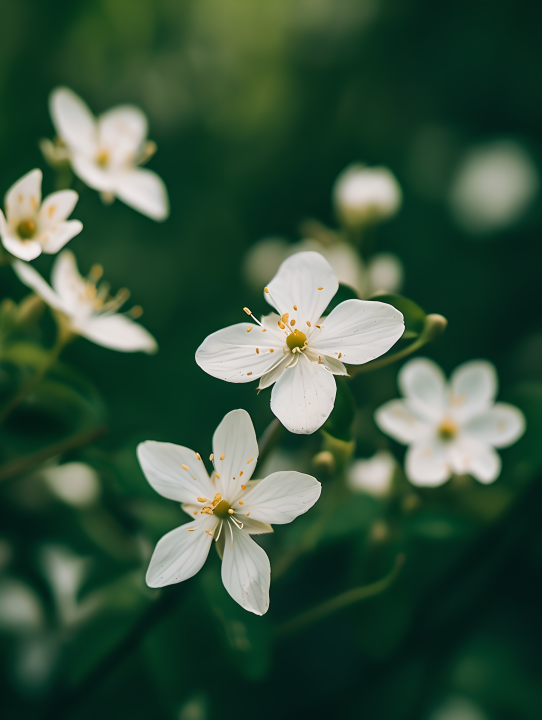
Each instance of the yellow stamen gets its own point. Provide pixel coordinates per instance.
(308, 323)
(211, 457)
(266, 290)
(257, 351)
(202, 499)
(320, 288)
(248, 514)
(249, 329)
(249, 461)
(198, 456)
(207, 511)
(319, 360)
(240, 473)
(230, 511)
(136, 312)
(191, 529)
(285, 317)
(249, 373)
(292, 322)
(185, 466)
(340, 355)
(218, 475)
(264, 330)
(96, 272)
(248, 312)
(295, 308)
(271, 350)
(240, 502)
(217, 498)
(281, 325)
(222, 456)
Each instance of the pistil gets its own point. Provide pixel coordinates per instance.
(26, 229)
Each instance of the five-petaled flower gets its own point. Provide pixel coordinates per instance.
(227, 507)
(298, 349)
(106, 152)
(450, 427)
(31, 226)
(85, 308)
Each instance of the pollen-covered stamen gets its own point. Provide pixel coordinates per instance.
(26, 229)
(447, 429)
(296, 341)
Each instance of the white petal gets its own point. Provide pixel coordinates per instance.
(273, 375)
(501, 426)
(67, 281)
(122, 131)
(476, 458)
(236, 452)
(361, 330)
(230, 354)
(163, 463)
(23, 249)
(181, 553)
(24, 197)
(57, 207)
(297, 282)
(303, 397)
(251, 526)
(373, 476)
(144, 191)
(281, 497)
(474, 387)
(396, 419)
(334, 365)
(423, 383)
(427, 464)
(118, 332)
(246, 572)
(31, 277)
(73, 121)
(55, 239)
(95, 176)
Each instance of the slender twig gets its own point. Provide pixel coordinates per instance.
(269, 440)
(27, 463)
(340, 601)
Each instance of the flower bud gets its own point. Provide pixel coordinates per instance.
(364, 196)
(30, 309)
(324, 463)
(435, 325)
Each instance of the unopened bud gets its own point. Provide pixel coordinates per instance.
(324, 463)
(30, 310)
(364, 195)
(435, 325)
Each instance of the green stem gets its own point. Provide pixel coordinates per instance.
(269, 440)
(389, 359)
(61, 340)
(340, 601)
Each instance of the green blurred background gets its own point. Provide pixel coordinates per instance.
(256, 107)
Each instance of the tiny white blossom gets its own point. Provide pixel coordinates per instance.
(298, 350)
(31, 226)
(106, 152)
(85, 307)
(364, 195)
(450, 427)
(227, 507)
(373, 476)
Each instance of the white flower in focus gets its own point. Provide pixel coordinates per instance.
(31, 226)
(493, 187)
(450, 427)
(86, 308)
(106, 152)
(373, 476)
(298, 350)
(227, 507)
(364, 195)
(382, 273)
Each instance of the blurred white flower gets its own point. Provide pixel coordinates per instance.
(298, 349)
(373, 476)
(106, 152)
(450, 427)
(382, 273)
(85, 307)
(493, 186)
(227, 506)
(74, 483)
(31, 226)
(364, 195)
(65, 572)
(20, 607)
(458, 708)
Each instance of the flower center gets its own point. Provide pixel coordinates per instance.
(103, 159)
(447, 429)
(222, 510)
(296, 339)
(26, 229)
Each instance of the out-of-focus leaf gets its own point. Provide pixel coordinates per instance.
(339, 423)
(413, 314)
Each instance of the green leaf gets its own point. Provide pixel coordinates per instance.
(339, 423)
(413, 314)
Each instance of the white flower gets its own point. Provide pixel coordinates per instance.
(382, 273)
(373, 476)
(31, 226)
(364, 195)
(75, 483)
(105, 152)
(86, 308)
(493, 187)
(298, 349)
(450, 427)
(226, 507)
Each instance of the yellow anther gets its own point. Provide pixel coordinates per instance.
(257, 351)
(308, 323)
(211, 457)
(222, 456)
(240, 502)
(230, 511)
(195, 512)
(264, 330)
(243, 487)
(320, 288)
(198, 456)
(249, 373)
(209, 533)
(249, 461)
(319, 360)
(266, 290)
(249, 329)
(206, 511)
(136, 312)
(217, 498)
(292, 322)
(185, 466)
(271, 350)
(319, 327)
(96, 272)
(281, 325)
(240, 473)
(285, 317)
(218, 475)
(191, 529)
(295, 307)
(247, 311)
(248, 514)
(202, 499)
(340, 355)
